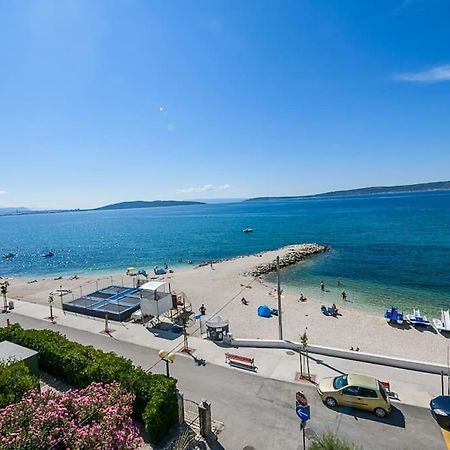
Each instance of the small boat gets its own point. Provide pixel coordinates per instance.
(48, 254)
(417, 319)
(247, 230)
(442, 324)
(394, 315)
(9, 255)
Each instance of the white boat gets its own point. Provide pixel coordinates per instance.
(442, 324)
(417, 319)
(247, 230)
(9, 255)
(48, 254)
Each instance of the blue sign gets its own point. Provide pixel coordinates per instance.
(303, 413)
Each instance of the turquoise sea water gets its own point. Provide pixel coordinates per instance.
(385, 249)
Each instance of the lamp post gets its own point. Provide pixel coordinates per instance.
(50, 302)
(167, 358)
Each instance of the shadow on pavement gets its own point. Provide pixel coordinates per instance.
(394, 419)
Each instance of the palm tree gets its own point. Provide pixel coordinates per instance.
(329, 441)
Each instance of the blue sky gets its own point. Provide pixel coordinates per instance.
(106, 101)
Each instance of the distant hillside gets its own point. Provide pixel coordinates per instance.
(420, 187)
(144, 204)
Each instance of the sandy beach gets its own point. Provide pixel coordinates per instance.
(221, 287)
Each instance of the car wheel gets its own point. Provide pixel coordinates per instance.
(380, 412)
(331, 402)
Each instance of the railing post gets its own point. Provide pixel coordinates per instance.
(180, 399)
(204, 410)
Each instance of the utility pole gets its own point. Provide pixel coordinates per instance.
(280, 321)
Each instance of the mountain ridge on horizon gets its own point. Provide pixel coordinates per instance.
(404, 188)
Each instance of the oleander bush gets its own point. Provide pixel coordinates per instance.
(155, 403)
(15, 380)
(96, 417)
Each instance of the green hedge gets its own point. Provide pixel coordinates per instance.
(15, 380)
(78, 365)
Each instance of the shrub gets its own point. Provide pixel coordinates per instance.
(15, 380)
(98, 416)
(329, 441)
(155, 401)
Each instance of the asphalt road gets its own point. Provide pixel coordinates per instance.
(258, 413)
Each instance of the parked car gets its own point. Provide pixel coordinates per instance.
(440, 408)
(356, 391)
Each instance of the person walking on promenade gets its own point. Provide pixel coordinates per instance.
(202, 310)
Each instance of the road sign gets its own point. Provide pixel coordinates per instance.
(303, 413)
(300, 399)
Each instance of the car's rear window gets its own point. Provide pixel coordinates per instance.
(340, 382)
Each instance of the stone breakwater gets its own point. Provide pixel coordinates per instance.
(294, 255)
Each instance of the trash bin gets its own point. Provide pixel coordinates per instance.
(11, 304)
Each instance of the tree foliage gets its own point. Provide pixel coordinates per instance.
(15, 380)
(329, 441)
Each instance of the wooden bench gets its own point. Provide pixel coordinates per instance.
(242, 361)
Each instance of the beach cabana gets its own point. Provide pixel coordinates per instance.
(156, 298)
(264, 311)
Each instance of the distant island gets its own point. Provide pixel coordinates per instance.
(144, 204)
(122, 205)
(420, 187)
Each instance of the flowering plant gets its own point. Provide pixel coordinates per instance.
(97, 417)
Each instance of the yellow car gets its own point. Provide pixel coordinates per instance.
(356, 391)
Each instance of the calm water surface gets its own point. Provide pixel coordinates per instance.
(385, 249)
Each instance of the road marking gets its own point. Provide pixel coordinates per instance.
(446, 435)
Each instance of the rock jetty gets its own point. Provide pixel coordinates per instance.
(292, 255)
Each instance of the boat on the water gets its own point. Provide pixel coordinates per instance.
(9, 255)
(442, 324)
(394, 315)
(48, 254)
(417, 319)
(247, 230)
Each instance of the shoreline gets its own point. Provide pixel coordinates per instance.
(221, 287)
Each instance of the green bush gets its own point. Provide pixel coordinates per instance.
(15, 380)
(156, 399)
(329, 441)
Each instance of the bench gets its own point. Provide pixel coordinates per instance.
(242, 361)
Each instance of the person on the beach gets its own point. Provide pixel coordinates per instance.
(322, 286)
(211, 264)
(344, 295)
(334, 307)
(339, 283)
(202, 310)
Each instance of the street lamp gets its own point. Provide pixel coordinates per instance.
(167, 358)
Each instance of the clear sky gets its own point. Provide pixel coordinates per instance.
(105, 101)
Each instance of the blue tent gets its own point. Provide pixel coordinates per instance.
(264, 311)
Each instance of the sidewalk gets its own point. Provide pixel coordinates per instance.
(412, 387)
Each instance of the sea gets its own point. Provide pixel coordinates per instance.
(384, 249)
